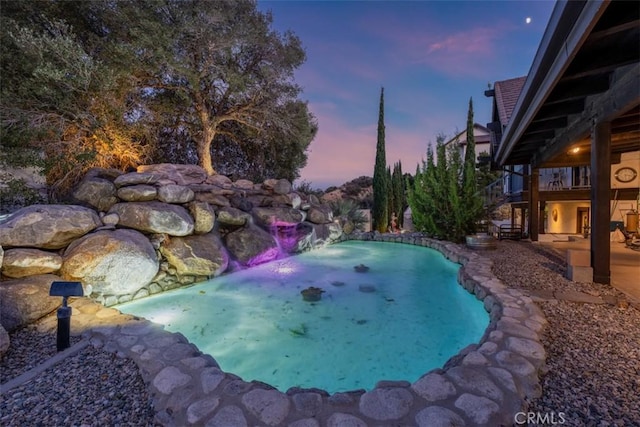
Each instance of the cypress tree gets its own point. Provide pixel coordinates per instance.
(398, 191)
(472, 201)
(380, 212)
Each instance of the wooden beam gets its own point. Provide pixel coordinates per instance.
(585, 194)
(562, 109)
(579, 88)
(534, 210)
(623, 95)
(600, 201)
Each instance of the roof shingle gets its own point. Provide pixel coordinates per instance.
(507, 93)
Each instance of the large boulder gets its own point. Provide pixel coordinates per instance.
(203, 215)
(219, 180)
(98, 193)
(116, 262)
(278, 186)
(138, 193)
(26, 300)
(135, 178)
(174, 193)
(154, 217)
(212, 199)
(23, 262)
(47, 226)
(180, 174)
(234, 217)
(320, 214)
(252, 245)
(199, 255)
(278, 216)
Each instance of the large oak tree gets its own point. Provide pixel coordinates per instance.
(128, 82)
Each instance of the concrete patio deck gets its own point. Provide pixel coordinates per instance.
(625, 262)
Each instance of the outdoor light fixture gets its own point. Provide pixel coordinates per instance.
(65, 290)
(574, 150)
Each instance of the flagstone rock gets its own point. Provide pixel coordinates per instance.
(113, 262)
(434, 387)
(169, 379)
(478, 408)
(436, 416)
(200, 409)
(339, 419)
(386, 403)
(269, 406)
(197, 255)
(22, 262)
(154, 217)
(228, 416)
(306, 422)
(47, 226)
(474, 380)
(308, 403)
(526, 347)
(26, 300)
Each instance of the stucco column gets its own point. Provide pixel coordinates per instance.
(600, 201)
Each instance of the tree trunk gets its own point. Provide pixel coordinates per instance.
(204, 151)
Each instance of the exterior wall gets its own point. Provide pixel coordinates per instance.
(562, 216)
(631, 160)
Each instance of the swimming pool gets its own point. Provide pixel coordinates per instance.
(404, 316)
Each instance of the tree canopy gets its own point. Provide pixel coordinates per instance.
(116, 84)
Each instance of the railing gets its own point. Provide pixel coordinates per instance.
(493, 194)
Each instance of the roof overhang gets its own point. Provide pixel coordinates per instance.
(587, 68)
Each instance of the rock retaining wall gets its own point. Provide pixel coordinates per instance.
(486, 384)
(135, 234)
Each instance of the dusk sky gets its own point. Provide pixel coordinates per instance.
(430, 57)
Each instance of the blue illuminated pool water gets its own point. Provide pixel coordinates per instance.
(402, 318)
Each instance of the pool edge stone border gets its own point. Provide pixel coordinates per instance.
(485, 384)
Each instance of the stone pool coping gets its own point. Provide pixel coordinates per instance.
(485, 384)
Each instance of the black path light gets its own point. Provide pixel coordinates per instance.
(65, 290)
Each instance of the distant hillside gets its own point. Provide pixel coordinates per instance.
(359, 189)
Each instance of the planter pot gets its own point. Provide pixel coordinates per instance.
(481, 241)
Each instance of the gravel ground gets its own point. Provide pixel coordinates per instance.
(593, 350)
(91, 388)
(592, 378)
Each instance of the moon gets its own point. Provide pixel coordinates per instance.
(527, 20)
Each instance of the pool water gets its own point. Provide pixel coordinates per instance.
(403, 317)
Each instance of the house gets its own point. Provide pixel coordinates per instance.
(573, 134)
(481, 137)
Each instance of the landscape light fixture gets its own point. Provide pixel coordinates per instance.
(65, 290)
